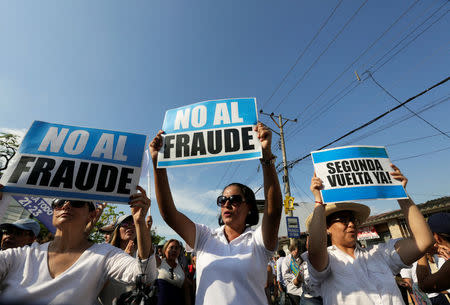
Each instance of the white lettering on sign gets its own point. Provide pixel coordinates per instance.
(221, 115)
(198, 116)
(76, 142)
(182, 118)
(54, 139)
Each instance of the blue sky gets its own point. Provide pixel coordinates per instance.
(120, 65)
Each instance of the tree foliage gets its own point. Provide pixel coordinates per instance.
(9, 143)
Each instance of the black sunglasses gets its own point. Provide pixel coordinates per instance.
(171, 273)
(59, 203)
(345, 220)
(235, 200)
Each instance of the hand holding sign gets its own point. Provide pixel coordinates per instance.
(155, 145)
(316, 186)
(139, 204)
(265, 137)
(397, 175)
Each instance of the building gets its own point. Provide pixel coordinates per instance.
(382, 227)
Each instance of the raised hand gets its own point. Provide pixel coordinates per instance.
(265, 137)
(397, 175)
(316, 186)
(155, 145)
(139, 204)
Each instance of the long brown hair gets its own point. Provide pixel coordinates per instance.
(116, 240)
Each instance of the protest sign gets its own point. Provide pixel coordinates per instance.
(293, 227)
(72, 162)
(39, 208)
(210, 132)
(356, 173)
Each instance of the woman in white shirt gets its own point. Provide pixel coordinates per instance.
(231, 260)
(345, 273)
(71, 268)
(170, 275)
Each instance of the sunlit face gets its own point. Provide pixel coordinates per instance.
(342, 226)
(127, 230)
(76, 217)
(234, 214)
(172, 250)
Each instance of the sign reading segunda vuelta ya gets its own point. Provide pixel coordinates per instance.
(356, 173)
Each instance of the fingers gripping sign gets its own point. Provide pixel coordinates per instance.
(397, 175)
(139, 204)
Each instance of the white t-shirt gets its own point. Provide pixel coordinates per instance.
(410, 273)
(366, 279)
(232, 273)
(279, 270)
(289, 277)
(25, 273)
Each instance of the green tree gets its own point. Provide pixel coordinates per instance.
(109, 216)
(9, 143)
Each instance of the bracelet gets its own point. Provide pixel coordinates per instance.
(269, 161)
(321, 203)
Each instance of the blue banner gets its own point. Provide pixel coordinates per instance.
(73, 162)
(39, 208)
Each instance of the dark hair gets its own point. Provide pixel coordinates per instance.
(281, 253)
(253, 217)
(299, 245)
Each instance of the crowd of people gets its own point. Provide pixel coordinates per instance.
(231, 264)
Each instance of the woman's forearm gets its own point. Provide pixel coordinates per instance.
(144, 239)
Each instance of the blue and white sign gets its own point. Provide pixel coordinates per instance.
(210, 132)
(72, 162)
(39, 208)
(293, 227)
(356, 173)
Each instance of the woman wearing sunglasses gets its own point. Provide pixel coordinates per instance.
(231, 260)
(71, 268)
(345, 273)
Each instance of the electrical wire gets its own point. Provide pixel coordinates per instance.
(303, 53)
(358, 58)
(321, 54)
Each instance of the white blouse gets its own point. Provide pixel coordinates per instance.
(176, 277)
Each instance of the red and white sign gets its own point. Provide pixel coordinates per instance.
(368, 232)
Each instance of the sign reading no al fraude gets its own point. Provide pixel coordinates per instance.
(73, 162)
(210, 132)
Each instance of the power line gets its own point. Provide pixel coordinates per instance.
(360, 55)
(407, 27)
(372, 121)
(409, 109)
(423, 154)
(414, 139)
(409, 42)
(397, 121)
(321, 54)
(326, 107)
(303, 53)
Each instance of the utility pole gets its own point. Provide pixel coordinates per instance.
(280, 124)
